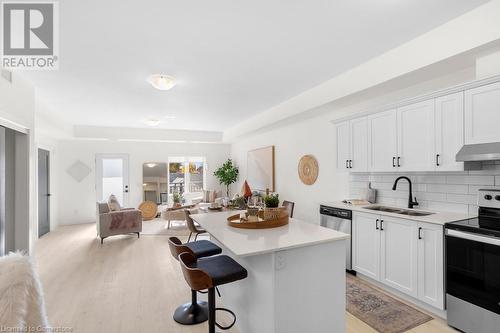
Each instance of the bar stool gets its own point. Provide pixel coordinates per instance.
(194, 312)
(208, 273)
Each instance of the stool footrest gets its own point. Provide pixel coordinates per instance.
(231, 313)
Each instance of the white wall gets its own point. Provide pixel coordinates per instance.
(315, 135)
(76, 201)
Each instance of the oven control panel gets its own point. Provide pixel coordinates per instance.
(489, 198)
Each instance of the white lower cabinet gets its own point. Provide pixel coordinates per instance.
(398, 258)
(366, 245)
(431, 265)
(403, 254)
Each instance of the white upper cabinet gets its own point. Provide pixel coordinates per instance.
(416, 137)
(482, 114)
(343, 145)
(382, 141)
(449, 131)
(359, 145)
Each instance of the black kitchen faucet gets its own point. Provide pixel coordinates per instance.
(411, 203)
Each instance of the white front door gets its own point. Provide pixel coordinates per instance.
(112, 177)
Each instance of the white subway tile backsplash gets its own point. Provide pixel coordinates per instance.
(471, 180)
(438, 191)
(462, 198)
(429, 179)
(448, 188)
(429, 196)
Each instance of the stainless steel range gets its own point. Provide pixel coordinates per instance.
(473, 268)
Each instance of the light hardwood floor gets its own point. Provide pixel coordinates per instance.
(125, 285)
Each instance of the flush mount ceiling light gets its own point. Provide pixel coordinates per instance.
(162, 82)
(151, 165)
(152, 122)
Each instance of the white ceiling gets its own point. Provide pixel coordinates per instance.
(232, 58)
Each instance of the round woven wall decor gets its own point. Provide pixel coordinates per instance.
(308, 169)
(149, 210)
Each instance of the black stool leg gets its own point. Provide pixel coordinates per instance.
(192, 313)
(211, 310)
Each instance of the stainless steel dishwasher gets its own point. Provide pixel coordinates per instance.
(340, 220)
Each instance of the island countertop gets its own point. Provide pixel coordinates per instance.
(250, 242)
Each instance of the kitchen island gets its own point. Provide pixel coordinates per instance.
(296, 275)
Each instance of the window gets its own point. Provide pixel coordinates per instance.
(186, 175)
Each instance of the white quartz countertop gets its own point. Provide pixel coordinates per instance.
(250, 242)
(436, 218)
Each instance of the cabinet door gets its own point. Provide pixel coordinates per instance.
(343, 145)
(359, 145)
(482, 114)
(430, 265)
(366, 244)
(398, 268)
(449, 131)
(382, 141)
(416, 137)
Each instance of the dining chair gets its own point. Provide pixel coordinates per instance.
(193, 229)
(289, 206)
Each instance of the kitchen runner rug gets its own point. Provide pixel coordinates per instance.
(380, 311)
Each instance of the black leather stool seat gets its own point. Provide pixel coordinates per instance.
(203, 248)
(222, 269)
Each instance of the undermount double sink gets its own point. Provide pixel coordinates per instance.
(401, 211)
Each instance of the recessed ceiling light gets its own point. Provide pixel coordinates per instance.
(162, 82)
(151, 165)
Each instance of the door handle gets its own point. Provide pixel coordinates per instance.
(437, 159)
(350, 164)
(376, 224)
(393, 162)
(347, 164)
(381, 225)
(399, 160)
(419, 232)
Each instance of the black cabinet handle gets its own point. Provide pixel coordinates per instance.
(350, 164)
(420, 233)
(381, 225)
(437, 159)
(347, 164)
(376, 224)
(393, 162)
(399, 160)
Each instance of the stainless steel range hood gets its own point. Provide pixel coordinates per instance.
(474, 155)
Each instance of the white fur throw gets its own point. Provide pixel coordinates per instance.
(21, 298)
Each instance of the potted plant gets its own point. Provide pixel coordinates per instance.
(177, 199)
(271, 210)
(227, 174)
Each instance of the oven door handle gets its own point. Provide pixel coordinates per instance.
(473, 237)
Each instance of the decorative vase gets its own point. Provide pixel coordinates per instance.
(271, 213)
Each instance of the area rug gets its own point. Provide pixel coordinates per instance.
(380, 311)
(158, 227)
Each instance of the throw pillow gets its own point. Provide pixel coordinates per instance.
(113, 203)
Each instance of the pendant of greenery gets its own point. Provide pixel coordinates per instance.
(227, 174)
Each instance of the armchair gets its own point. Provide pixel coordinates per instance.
(121, 222)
